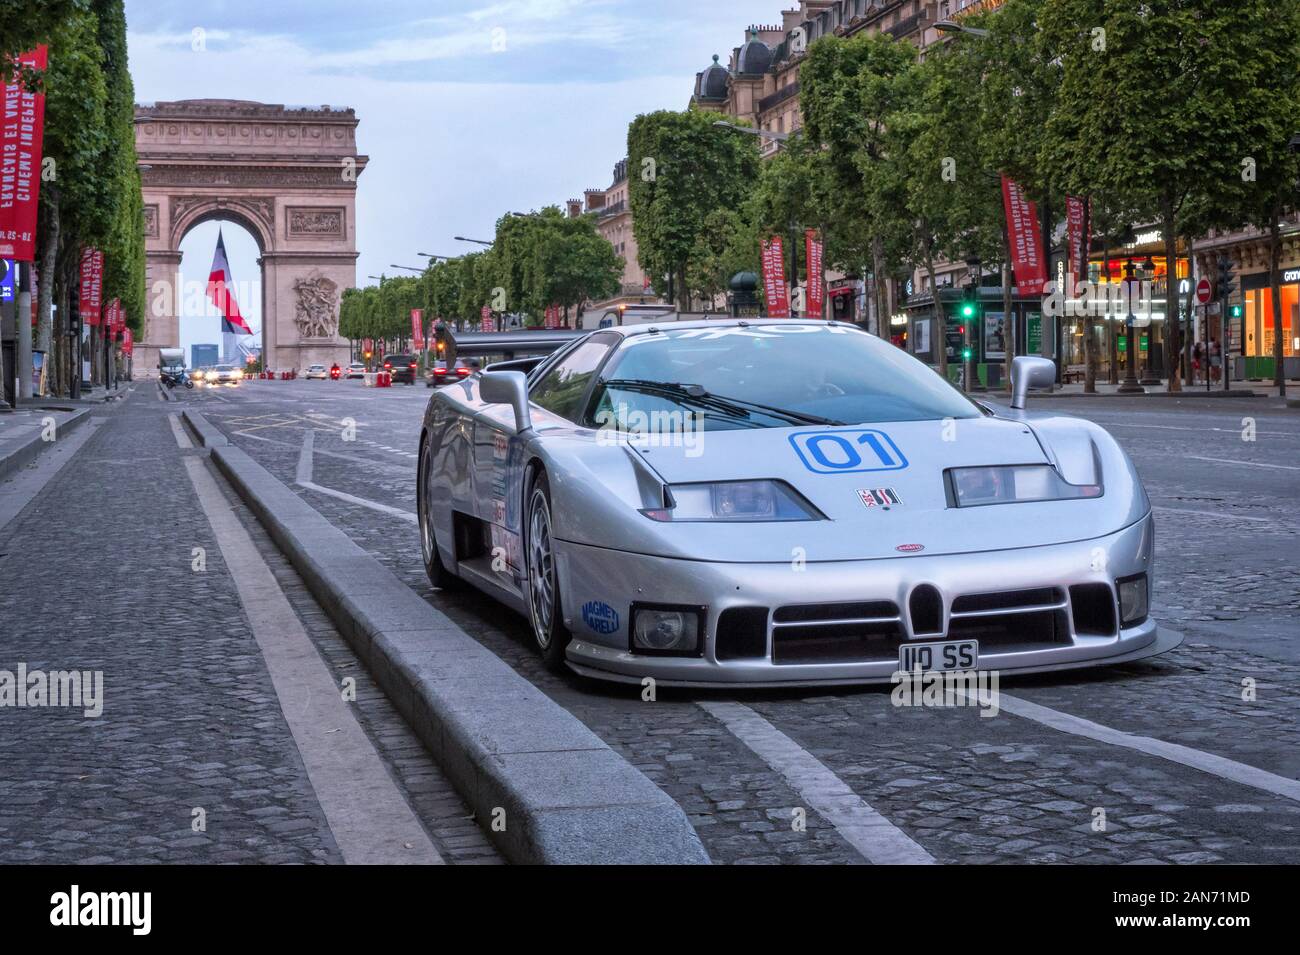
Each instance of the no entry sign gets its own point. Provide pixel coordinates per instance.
(1203, 292)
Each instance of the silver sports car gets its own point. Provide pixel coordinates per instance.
(782, 503)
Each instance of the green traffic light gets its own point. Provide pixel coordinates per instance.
(965, 354)
(1234, 311)
(968, 310)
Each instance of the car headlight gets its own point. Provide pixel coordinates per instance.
(212, 376)
(1133, 602)
(973, 487)
(666, 630)
(734, 501)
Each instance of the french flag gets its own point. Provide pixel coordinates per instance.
(219, 282)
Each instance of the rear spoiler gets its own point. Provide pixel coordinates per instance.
(512, 344)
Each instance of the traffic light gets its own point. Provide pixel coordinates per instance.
(1235, 311)
(1227, 280)
(966, 353)
(970, 304)
(440, 340)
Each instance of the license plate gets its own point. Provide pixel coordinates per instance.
(952, 655)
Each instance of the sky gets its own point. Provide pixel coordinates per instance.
(468, 109)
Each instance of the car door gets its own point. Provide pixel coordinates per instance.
(556, 396)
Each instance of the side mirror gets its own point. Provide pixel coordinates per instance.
(1030, 371)
(507, 388)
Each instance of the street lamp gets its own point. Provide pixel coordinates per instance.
(461, 238)
(1130, 385)
(409, 268)
(430, 255)
(949, 26)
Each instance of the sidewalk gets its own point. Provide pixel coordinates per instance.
(1239, 389)
(25, 433)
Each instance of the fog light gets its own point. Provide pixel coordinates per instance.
(665, 630)
(1132, 599)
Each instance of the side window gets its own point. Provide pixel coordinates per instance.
(561, 389)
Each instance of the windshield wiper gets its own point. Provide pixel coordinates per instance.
(699, 395)
(783, 412)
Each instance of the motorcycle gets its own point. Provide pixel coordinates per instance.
(336, 372)
(171, 377)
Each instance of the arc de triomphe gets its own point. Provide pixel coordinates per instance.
(289, 176)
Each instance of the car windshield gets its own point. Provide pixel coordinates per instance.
(772, 376)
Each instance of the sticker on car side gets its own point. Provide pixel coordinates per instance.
(599, 617)
(847, 451)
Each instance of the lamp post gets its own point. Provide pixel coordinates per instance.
(1149, 376)
(949, 26)
(1130, 384)
(408, 268)
(461, 238)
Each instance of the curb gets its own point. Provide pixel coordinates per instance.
(567, 797)
(207, 434)
(27, 451)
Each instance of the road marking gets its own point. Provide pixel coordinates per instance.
(1249, 464)
(182, 439)
(371, 821)
(303, 479)
(1177, 427)
(303, 474)
(1206, 762)
(1218, 515)
(877, 839)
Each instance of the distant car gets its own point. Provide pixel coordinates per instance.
(357, 370)
(401, 367)
(224, 375)
(316, 371)
(198, 374)
(439, 374)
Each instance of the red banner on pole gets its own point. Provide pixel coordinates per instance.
(92, 284)
(816, 280)
(22, 130)
(114, 320)
(485, 320)
(1026, 244)
(1079, 241)
(128, 342)
(774, 288)
(417, 328)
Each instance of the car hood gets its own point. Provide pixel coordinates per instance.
(849, 474)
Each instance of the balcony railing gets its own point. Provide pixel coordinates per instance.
(779, 97)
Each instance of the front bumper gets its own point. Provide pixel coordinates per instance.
(594, 576)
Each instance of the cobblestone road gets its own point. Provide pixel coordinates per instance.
(963, 787)
(97, 575)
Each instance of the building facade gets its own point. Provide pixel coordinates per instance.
(613, 215)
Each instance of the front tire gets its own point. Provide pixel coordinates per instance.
(545, 612)
(434, 568)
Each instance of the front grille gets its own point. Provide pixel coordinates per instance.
(857, 632)
(1012, 620)
(926, 608)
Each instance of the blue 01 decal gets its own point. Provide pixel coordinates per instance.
(599, 617)
(847, 450)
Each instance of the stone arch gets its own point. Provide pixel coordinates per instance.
(287, 175)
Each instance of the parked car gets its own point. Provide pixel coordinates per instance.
(316, 371)
(401, 367)
(637, 496)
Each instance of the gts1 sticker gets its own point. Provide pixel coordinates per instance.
(847, 451)
(880, 496)
(599, 617)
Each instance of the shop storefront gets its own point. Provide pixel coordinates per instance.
(1258, 326)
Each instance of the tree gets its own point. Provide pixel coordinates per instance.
(848, 88)
(24, 24)
(728, 244)
(1161, 110)
(683, 169)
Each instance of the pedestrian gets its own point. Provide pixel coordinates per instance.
(1216, 359)
(1198, 358)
